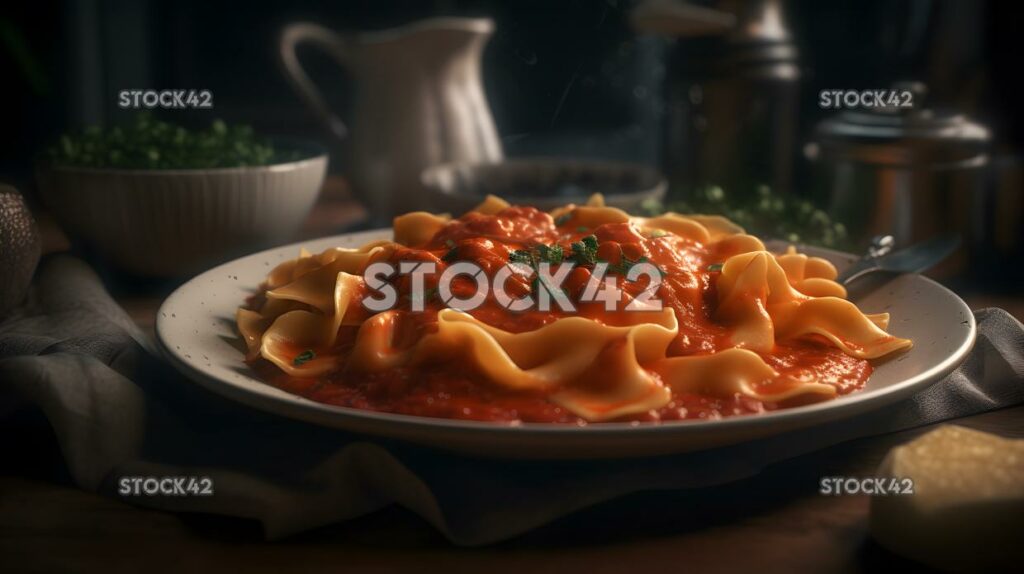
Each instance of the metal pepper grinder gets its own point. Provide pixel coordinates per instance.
(733, 101)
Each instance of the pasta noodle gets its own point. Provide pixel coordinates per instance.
(723, 326)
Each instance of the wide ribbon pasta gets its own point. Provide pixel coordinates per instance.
(756, 297)
(598, 369)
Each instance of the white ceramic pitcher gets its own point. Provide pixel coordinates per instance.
(419, 101)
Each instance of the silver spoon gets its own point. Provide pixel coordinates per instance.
(913, 259)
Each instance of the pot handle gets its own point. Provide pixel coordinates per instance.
(327, 40)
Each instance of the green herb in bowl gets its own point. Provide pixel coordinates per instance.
(158, 200)
(766, 215)
(149, 143)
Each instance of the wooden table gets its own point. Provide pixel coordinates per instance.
(774, 522)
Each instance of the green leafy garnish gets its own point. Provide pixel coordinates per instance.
(540, 254)
(563, 219)
(584, 251)
(715, 267)
(656, 233)
(550, 254)
(304, 357)
(553, 254)
(148, 143)
(625, 264)
(451, 255)
(521, 256)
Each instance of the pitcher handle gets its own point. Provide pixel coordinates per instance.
(330, 42)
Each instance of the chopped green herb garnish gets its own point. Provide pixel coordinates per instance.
(563, 219)
(584, 251)
(304, 357)
(521, 256)
(656, 233)
(449, 243)
(550, 254)
(715, 268)
(625, 264)
(582, 229)
(452, 255)
(540, 254)
(553, 254)
(148, 143)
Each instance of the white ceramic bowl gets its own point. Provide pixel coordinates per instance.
(167, 223)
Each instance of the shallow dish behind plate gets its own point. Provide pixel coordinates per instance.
(196, 332)
(544, 183)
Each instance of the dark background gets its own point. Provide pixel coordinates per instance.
(565, 77)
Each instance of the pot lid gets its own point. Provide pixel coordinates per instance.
(897, 135)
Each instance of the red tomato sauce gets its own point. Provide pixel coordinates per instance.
(449, 391)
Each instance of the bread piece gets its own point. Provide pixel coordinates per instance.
(967, 509)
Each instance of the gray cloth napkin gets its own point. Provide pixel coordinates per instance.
(117, 410)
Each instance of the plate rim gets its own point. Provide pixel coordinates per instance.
(294, 406)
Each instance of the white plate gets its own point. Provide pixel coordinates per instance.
(196, 331)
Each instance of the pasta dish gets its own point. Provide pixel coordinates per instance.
(581, 315)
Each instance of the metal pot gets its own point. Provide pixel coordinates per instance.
(907, 172)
